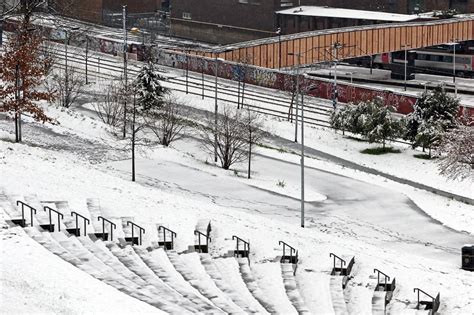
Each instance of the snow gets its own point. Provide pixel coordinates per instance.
(384, 223)
(319, 11)
(32, 279)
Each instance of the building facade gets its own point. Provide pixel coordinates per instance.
(229, 21)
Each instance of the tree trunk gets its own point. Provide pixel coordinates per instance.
(250, 153)
(133, 139)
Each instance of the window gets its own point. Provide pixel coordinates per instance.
(187, 16)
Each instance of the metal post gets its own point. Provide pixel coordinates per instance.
(66, 74)
(187, 71)
(202, 76)
(302, 153)
(297, 98)
(215, 111)
(124, 20)
(454, 70)
(87, 58)
(17, 98)
(406, 62)
(133, 137)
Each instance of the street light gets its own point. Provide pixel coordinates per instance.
(336, 47)
(125, 49)
(405, 64)
(278, 32)
(453, 43)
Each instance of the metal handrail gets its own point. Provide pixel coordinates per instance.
(387, 278)
(173, 235)
(139, 228)
(343, 262)
(292, 249)
(246, 244)
(418, 290)
(60, 215)
(23, 213)
(199, 233)
(84, 218)
(112, 226)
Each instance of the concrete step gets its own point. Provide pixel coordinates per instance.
(292, 290)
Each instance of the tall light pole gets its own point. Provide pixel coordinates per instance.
(336, 47)
(454, 42)
(66, 44)
(216, 61)
(278, 31)
(125, 49)
(405, 65)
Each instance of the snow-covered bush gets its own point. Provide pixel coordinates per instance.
(433, 114)
(457, 153)
(148, 89)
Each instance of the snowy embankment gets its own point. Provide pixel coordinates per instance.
(61, 163)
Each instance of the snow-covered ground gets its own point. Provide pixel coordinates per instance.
(348, 212)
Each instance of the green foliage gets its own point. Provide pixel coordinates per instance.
(372, 119)
(433, 114)
(380, 150)
(149, 90)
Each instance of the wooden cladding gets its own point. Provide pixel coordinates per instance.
(362, 41)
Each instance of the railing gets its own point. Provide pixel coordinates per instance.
(112, 226)
(84, 219)
(387, 278)
(173, 235)
(342, 261)
(418, 298)
(208, 238)
(139, 228)
(246, 249)
(23, 209)
(292, 251)
(60, 215)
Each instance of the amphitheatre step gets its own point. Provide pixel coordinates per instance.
(225, 274)
(134, 263)
(314, 288)
(253, 287)
(89, 263)
(93, 206)
(159, 263)
(190, 267)
(138, 287)
(42, 216)
(378, 302)
(291, 288)
(337, 295)
(269, 280)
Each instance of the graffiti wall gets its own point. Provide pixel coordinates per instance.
(318, 87)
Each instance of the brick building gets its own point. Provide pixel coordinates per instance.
(228, 21)
(96, 10)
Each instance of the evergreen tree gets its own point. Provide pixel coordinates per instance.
(149, 90)
(434, 113)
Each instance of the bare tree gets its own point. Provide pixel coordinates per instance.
(109, 107)
(69, 85)
(231, 134)
(254, 126)
(168, 124)
(457, 153)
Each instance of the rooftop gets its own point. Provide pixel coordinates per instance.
(349, 14)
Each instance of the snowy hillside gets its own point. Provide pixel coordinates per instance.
(350, 213)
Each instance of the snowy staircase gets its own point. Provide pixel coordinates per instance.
(268, 276)
(190, 267)
(159, 263)
(337, 295)
(291, 288)
(226, 276)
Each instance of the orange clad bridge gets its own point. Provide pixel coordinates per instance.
(343, 43)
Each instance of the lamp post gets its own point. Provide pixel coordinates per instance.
(125, 49)
(336, 47)
(453, 43)
(66, 43)
(278, 32)
(405, 65)
(216, 61)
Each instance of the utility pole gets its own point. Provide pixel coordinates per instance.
(215, 109)
(125, 50)
(336, 47)
(87, 58)
(297, 97)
